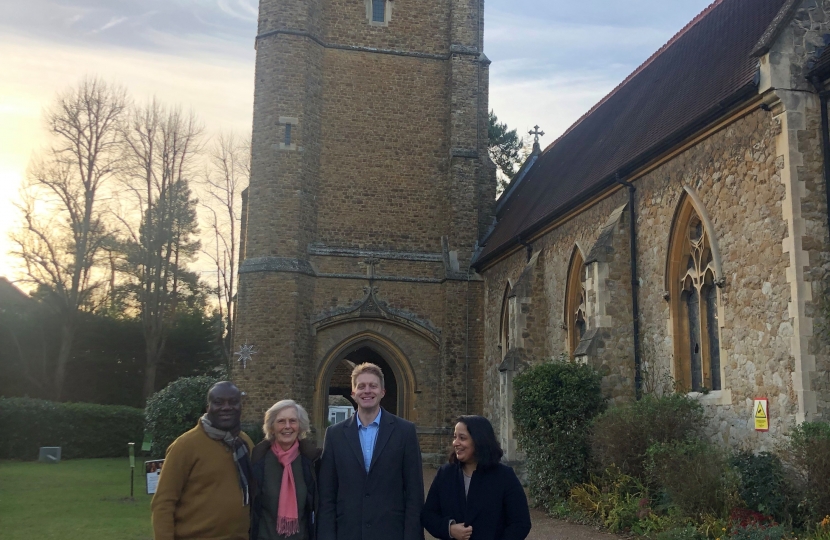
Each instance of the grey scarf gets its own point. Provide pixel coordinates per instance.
(240, 455)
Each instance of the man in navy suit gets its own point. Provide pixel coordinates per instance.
(371, 478)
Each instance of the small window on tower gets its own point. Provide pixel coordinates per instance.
(379, 11)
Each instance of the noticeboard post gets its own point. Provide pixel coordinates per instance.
(760, 414)
(152, 471)
(131, 446)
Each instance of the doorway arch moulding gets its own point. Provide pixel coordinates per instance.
(391, 353)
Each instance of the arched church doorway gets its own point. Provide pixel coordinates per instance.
(333, 389)
(341, 380)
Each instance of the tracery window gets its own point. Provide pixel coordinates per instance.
(693, 293)
(575, 312)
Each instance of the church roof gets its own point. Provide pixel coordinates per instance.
(703, 71)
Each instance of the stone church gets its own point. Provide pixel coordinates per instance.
(675, 237)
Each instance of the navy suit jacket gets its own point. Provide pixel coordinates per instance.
(383, 504)
(496, 505)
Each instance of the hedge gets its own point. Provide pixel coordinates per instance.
(82, 430)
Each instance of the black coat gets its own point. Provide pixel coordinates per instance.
(496, 506)
(384, 504)
(310, 456)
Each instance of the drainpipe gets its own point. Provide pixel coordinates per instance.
(528, 247)
(635, 287)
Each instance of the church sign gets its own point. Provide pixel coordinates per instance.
(760, 412)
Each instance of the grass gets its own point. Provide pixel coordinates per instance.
(73, 500)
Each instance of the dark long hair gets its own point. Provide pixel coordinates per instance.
(487, 450)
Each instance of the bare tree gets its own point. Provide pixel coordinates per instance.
(227, 176)
(160, 148)
(62, 233)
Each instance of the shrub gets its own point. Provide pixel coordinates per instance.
(681, 533)
(176, 409)
(82, 430)
(763, 485)
(696, 477)
(622, 435)
(822, 530)
(757, 531)
(615, 499)
(553, 406)
(809, 451)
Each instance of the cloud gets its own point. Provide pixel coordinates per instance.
(115, 21)
(245, 14)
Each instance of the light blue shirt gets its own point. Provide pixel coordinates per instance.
(368, 437)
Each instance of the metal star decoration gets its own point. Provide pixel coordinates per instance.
(245, 354)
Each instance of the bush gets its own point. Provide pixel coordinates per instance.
(176, 409)
(757, 531)
(809, 451)
(681, 533)
(553, 406)
(82, 430)
(615, 499)
(696, 477)
(622, 435)
(763, 485)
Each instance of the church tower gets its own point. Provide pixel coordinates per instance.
(370, 184)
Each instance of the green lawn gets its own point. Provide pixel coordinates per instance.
(79, 499)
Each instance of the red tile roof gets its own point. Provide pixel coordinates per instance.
(703, 70)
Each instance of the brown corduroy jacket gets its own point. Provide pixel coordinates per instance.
(198, 494)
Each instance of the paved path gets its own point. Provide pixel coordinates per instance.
(544, 527)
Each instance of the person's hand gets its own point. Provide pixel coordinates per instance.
(460, 532)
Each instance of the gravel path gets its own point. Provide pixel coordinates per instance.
(544, 527)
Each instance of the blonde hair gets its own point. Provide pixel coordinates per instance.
(367, 367)
(276, 408)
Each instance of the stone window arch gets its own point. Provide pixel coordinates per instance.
(575, 317)
(693, 280)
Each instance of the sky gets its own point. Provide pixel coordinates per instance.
(552, 60)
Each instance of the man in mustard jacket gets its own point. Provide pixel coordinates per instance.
(203, 491)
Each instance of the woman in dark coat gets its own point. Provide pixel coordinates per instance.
(284, 505)
(474, 496)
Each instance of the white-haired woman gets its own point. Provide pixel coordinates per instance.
(285, 480)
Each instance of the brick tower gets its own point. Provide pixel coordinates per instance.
(370, 185)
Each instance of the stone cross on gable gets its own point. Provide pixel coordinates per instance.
(536, 134)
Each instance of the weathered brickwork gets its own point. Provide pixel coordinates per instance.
(736, 173)
(759, 181)
(360, 224)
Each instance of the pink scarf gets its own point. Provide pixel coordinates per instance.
(288, 517)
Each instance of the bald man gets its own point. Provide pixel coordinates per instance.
(203, 488)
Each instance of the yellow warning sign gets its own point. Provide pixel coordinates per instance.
(761, 414)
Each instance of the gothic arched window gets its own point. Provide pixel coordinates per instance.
(504, 327)
(692, 276)
(575, 313)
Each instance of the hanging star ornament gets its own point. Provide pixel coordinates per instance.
(245, 354)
